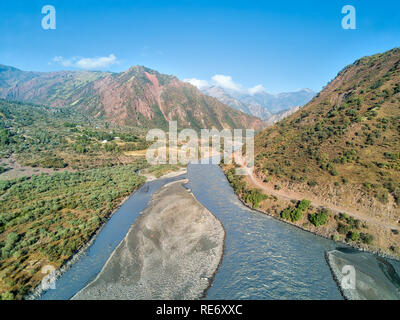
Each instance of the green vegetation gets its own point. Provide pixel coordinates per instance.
(58, 138)
(296, 213)
(343, 229)
(347, 137)
(349, 221)
(366, 238)
(3, 169)
(46, 218)
(343, 147)
(236, 181)
(349, 227)
(252, 197)
(354, 235)
(320, 218)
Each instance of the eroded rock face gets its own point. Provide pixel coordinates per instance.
(138, 96)
(171, 252)
(372, 278)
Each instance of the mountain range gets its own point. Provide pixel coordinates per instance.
(260, 103)
(139, 96)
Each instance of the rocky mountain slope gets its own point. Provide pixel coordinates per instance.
(274, 118)
(138, 96)
(261, 104)
(343, 146)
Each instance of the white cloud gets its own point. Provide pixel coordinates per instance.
(87, 63)
(94, 63)
(225, 82)
(256, 89)
(62, 61)
(198, 83)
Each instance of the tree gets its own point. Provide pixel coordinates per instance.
(255, 197)
(295, 214)
(304, 204)
(320, 218)
(7, 296)
(353, 235)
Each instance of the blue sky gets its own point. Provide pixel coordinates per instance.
(281, 45)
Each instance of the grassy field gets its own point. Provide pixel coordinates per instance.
(46, 218)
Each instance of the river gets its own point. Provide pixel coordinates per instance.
(90, 263)
(264, 258)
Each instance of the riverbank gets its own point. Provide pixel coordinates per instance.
(373, 277)
(37, 292)
(172, 251)
(320, 234)
(166, 173)
(339, 226)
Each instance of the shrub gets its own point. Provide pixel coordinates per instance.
(320, 218)
(366, 238)
(2, 169)
(303, 204)
(7, 296)
(12, 238)
(285, 214)
(342, 228)
(353, 235)
(396, 88)
(393, 249)
(357, 224)
(255, 197)
(55, 163)
(333, 171)
(377, 84)
(295, 214)
(312, 183)
(382, 196)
